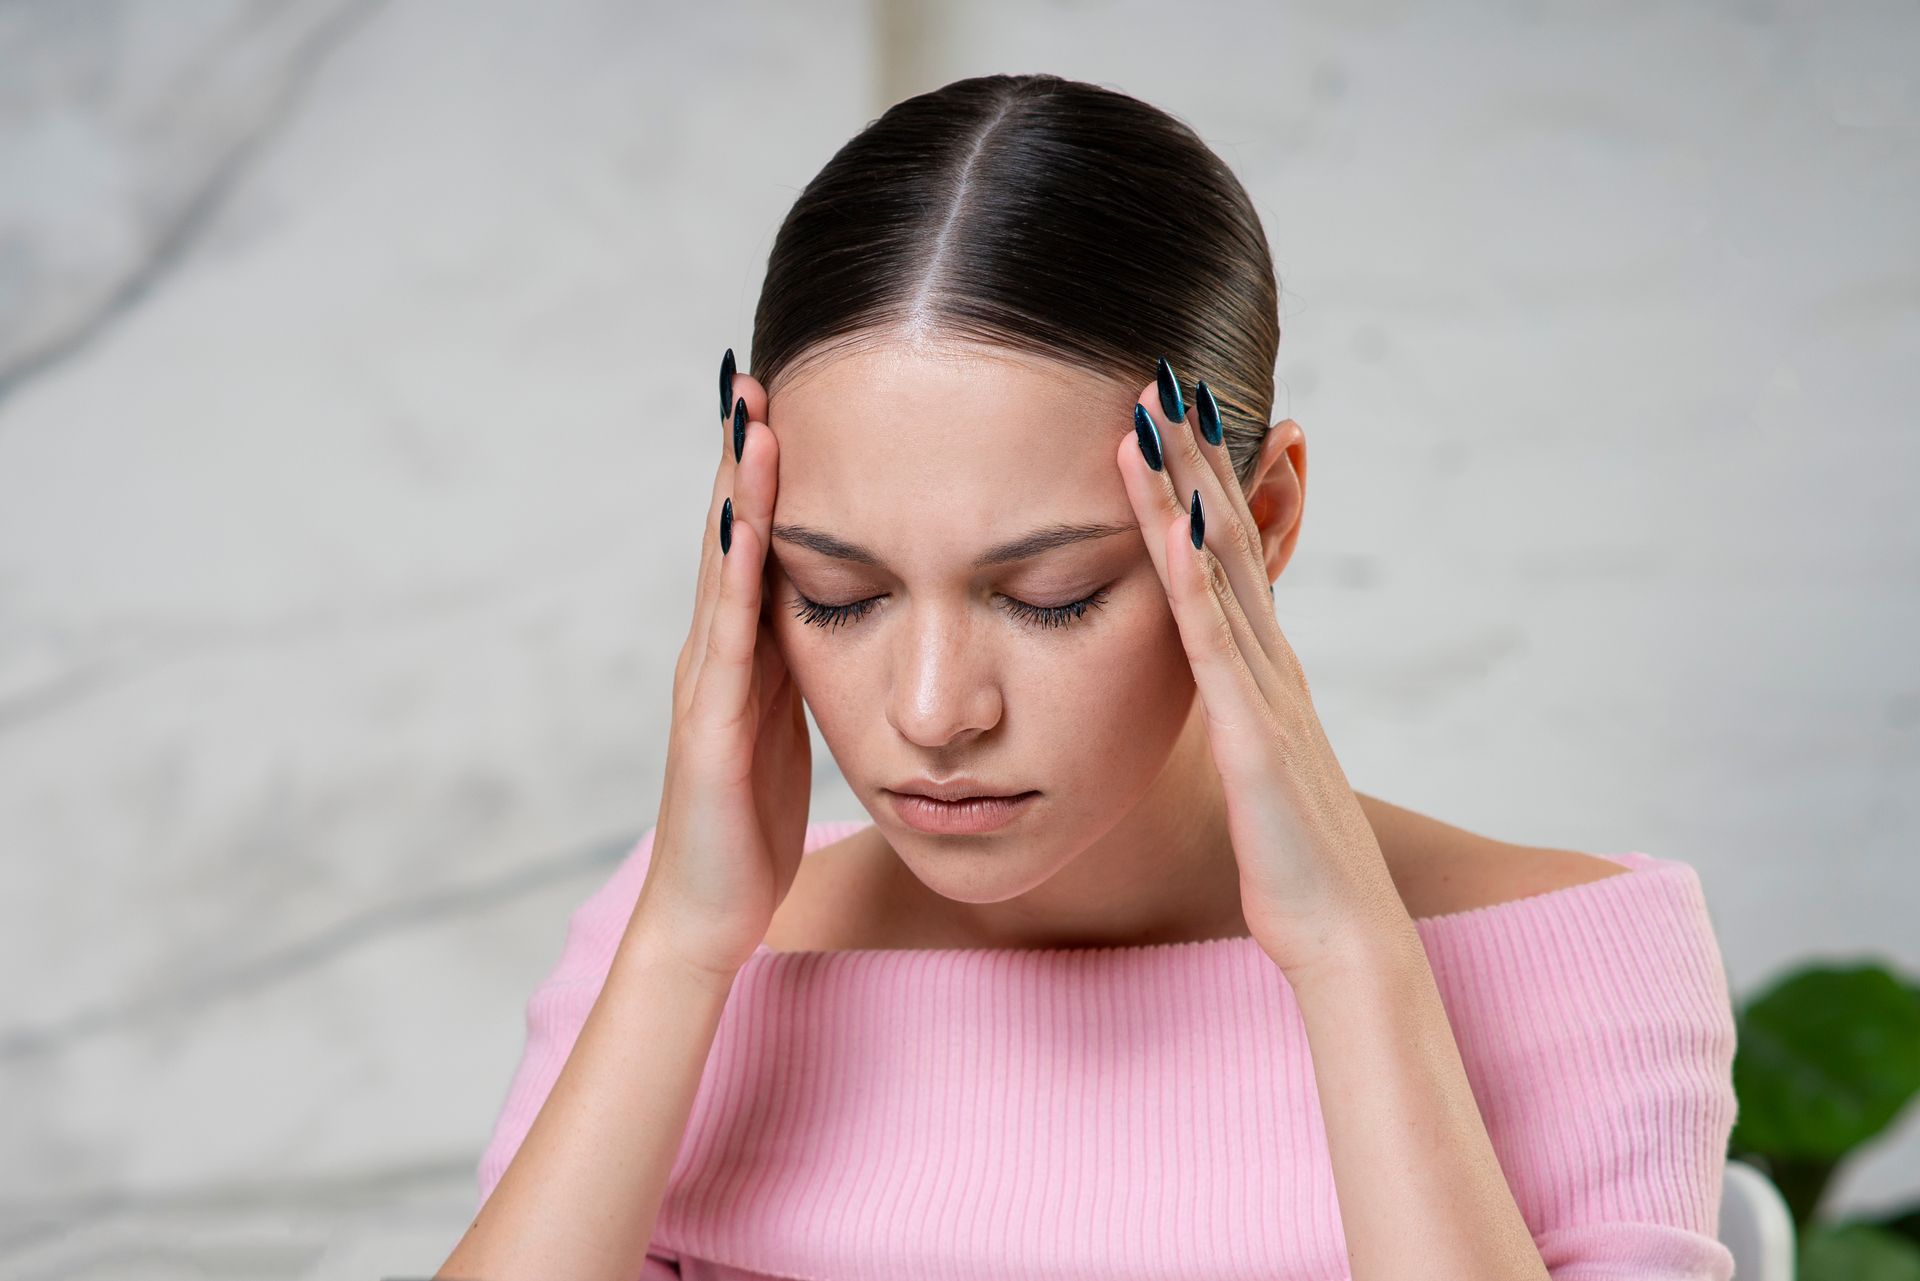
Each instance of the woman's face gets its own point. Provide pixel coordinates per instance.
(1058, 670)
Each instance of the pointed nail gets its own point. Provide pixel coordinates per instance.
(726, 527)
(1198, 519)
(1147, 434)
(740, 428)
(1209, 413)
(726, 382)
(1171, 402)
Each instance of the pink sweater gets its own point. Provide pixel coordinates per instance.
(1151, 1111)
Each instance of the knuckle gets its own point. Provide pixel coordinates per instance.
(1291, 670)
(1171, 504)
(1190, 447)
(1217, 577)
(713, 722)
(1298, 675)
(683, 686)
(1235, 530)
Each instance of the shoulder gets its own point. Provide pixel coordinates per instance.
(840, 894)
(1440, 869)
(1495, 872)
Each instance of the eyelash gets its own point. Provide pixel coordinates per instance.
(815, 614)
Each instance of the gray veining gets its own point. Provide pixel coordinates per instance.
(355, 358)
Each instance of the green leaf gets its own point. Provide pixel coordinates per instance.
(1856, 1252)
(1825, 1060)
(1904, 1223)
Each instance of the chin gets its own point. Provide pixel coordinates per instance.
(973, 869)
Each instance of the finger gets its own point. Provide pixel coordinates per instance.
(741, 387)
(705, 578)
(1213, 572)
(773, 678)
(1154, 502)
(723, 694)
(1157, 507)
(747, 393)
(726, 480)
(1195, 463)
(1164, 431)
(735, 388)
(747, 517)
(1236, 708)
(1163, 417)
(734, 385)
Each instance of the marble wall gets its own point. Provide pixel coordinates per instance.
(356, 381)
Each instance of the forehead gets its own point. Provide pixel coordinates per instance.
(973, 434)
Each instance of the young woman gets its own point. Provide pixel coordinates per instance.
(1123, 979)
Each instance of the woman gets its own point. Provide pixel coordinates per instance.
(1166, 996)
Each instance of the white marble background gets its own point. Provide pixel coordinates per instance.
(356, 408)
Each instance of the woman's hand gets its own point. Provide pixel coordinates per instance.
(1313, 882)
(733, 808)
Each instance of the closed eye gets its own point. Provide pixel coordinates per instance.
(816, 614)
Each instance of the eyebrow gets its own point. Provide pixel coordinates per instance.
(1043, 539)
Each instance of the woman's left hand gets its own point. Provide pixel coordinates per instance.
(1314, 886)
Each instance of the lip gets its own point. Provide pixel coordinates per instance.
(965, 817)
(958, 788)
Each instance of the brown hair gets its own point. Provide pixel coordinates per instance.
(1039, 214)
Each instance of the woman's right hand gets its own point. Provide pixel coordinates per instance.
(733, 807)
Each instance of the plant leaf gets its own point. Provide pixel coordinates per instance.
(1856, 1252)
(1825, 1060)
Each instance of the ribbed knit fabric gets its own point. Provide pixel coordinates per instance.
(1150, 1111)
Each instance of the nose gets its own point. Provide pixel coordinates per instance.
(943, 687)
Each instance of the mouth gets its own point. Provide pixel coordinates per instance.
(962, 815)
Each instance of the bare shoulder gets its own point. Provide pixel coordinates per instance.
(838, 885)
(1439, 868)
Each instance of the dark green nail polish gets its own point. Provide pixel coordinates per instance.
(726, 382)
(1147, 434)
(1172, 404)
(1198, 519)
(1209, 413)
(740, 428)
(726, 527)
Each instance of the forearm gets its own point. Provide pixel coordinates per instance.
(1421, 1192)
(581, 1194)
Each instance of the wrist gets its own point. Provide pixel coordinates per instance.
(1356, 952)
(646, 945)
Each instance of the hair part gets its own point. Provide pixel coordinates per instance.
(1041, 215)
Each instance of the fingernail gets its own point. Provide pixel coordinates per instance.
(740, 428)
(726, 383)
(1198, 519)
(726, 527)
(1171, 402)
(1209, 413)
(1147, 434)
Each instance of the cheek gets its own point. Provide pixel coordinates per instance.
(1131, 654)
(836, 680)
(1125, 690)
(808, 661)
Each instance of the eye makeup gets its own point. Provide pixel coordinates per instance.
(816, 614)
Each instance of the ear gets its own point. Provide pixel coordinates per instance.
(1277, 493)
